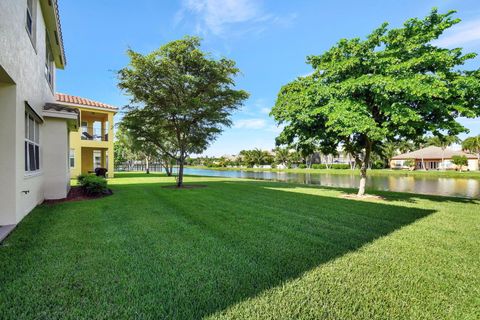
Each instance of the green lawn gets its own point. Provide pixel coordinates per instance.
(243, 249)
(373, 172)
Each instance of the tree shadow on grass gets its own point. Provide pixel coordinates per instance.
(151, 252)
(389, 196)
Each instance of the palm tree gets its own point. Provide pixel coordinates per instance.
(260, 156)
(390, 149)
(472, 144)
(282, 155)
(443, 142)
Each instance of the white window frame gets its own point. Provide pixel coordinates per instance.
(32, 139)
(49, 70)
(96, 153)
(71, 157)
(30, 16)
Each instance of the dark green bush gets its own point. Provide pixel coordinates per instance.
(302, 166)
(81, 177)
(378, 164)
(340, 166)
(319, 166)
(93, 185)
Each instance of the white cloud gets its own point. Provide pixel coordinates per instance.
(265, 110)
(275, 129)
(218, 16)
(250, 124)
(460, 35)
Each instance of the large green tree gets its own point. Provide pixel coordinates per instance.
(395, 84)
(181, 97)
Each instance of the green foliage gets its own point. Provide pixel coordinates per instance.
(319, 166)
(181, 98)
(395, 84)
(409, 163)
(442, 141)
(81, 177)
(340, 166)
(93, 185)
(254, 157)
(472, 145)
(460, 161)
(123, 146)
(302, 166)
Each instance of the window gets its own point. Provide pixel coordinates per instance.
(97, 159)
(72, 158)
(48, 61)
(30, 20)
(32, 143)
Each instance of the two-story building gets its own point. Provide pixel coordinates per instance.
(43, 137)
(34, 134)
(91, 146)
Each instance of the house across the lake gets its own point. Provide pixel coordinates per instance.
(433, 158)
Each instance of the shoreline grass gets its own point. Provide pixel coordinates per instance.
(373, 172)
(242, 249)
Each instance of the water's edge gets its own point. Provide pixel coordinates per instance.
(454, 187)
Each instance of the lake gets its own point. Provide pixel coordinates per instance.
(456, 187)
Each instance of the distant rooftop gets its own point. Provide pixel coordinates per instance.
(433, 152)
(69, 99)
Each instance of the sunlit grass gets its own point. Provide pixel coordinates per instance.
(243, 249)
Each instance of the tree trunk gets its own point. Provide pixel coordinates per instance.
(180, 173)
(168, 169)
(363, 180)
(147, 166)
(363, 170)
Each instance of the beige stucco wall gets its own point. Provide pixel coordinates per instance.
(25, 65)
(55, 159)
(473, 164)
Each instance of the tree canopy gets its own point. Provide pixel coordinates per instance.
(394, 85)
(181, 98)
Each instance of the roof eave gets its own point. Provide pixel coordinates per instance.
(54, 30)
(77, 105)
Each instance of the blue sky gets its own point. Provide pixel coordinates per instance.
(269, 40)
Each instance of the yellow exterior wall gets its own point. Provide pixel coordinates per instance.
(83, 149)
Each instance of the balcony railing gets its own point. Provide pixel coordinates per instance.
(94, 134)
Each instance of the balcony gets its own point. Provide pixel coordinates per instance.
(94, 134)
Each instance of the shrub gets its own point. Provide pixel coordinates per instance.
(409, 163)
(302, 166)
(340, 166)
(319, 166)
(460, 161)
(93, 185)
(80, 178)
(378, 164)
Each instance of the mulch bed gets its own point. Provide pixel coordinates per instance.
(76, 194)
(364, 197)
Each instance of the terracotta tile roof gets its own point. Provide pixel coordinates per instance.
(433, 152)
(66, 98)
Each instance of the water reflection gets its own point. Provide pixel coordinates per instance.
(457, 187)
